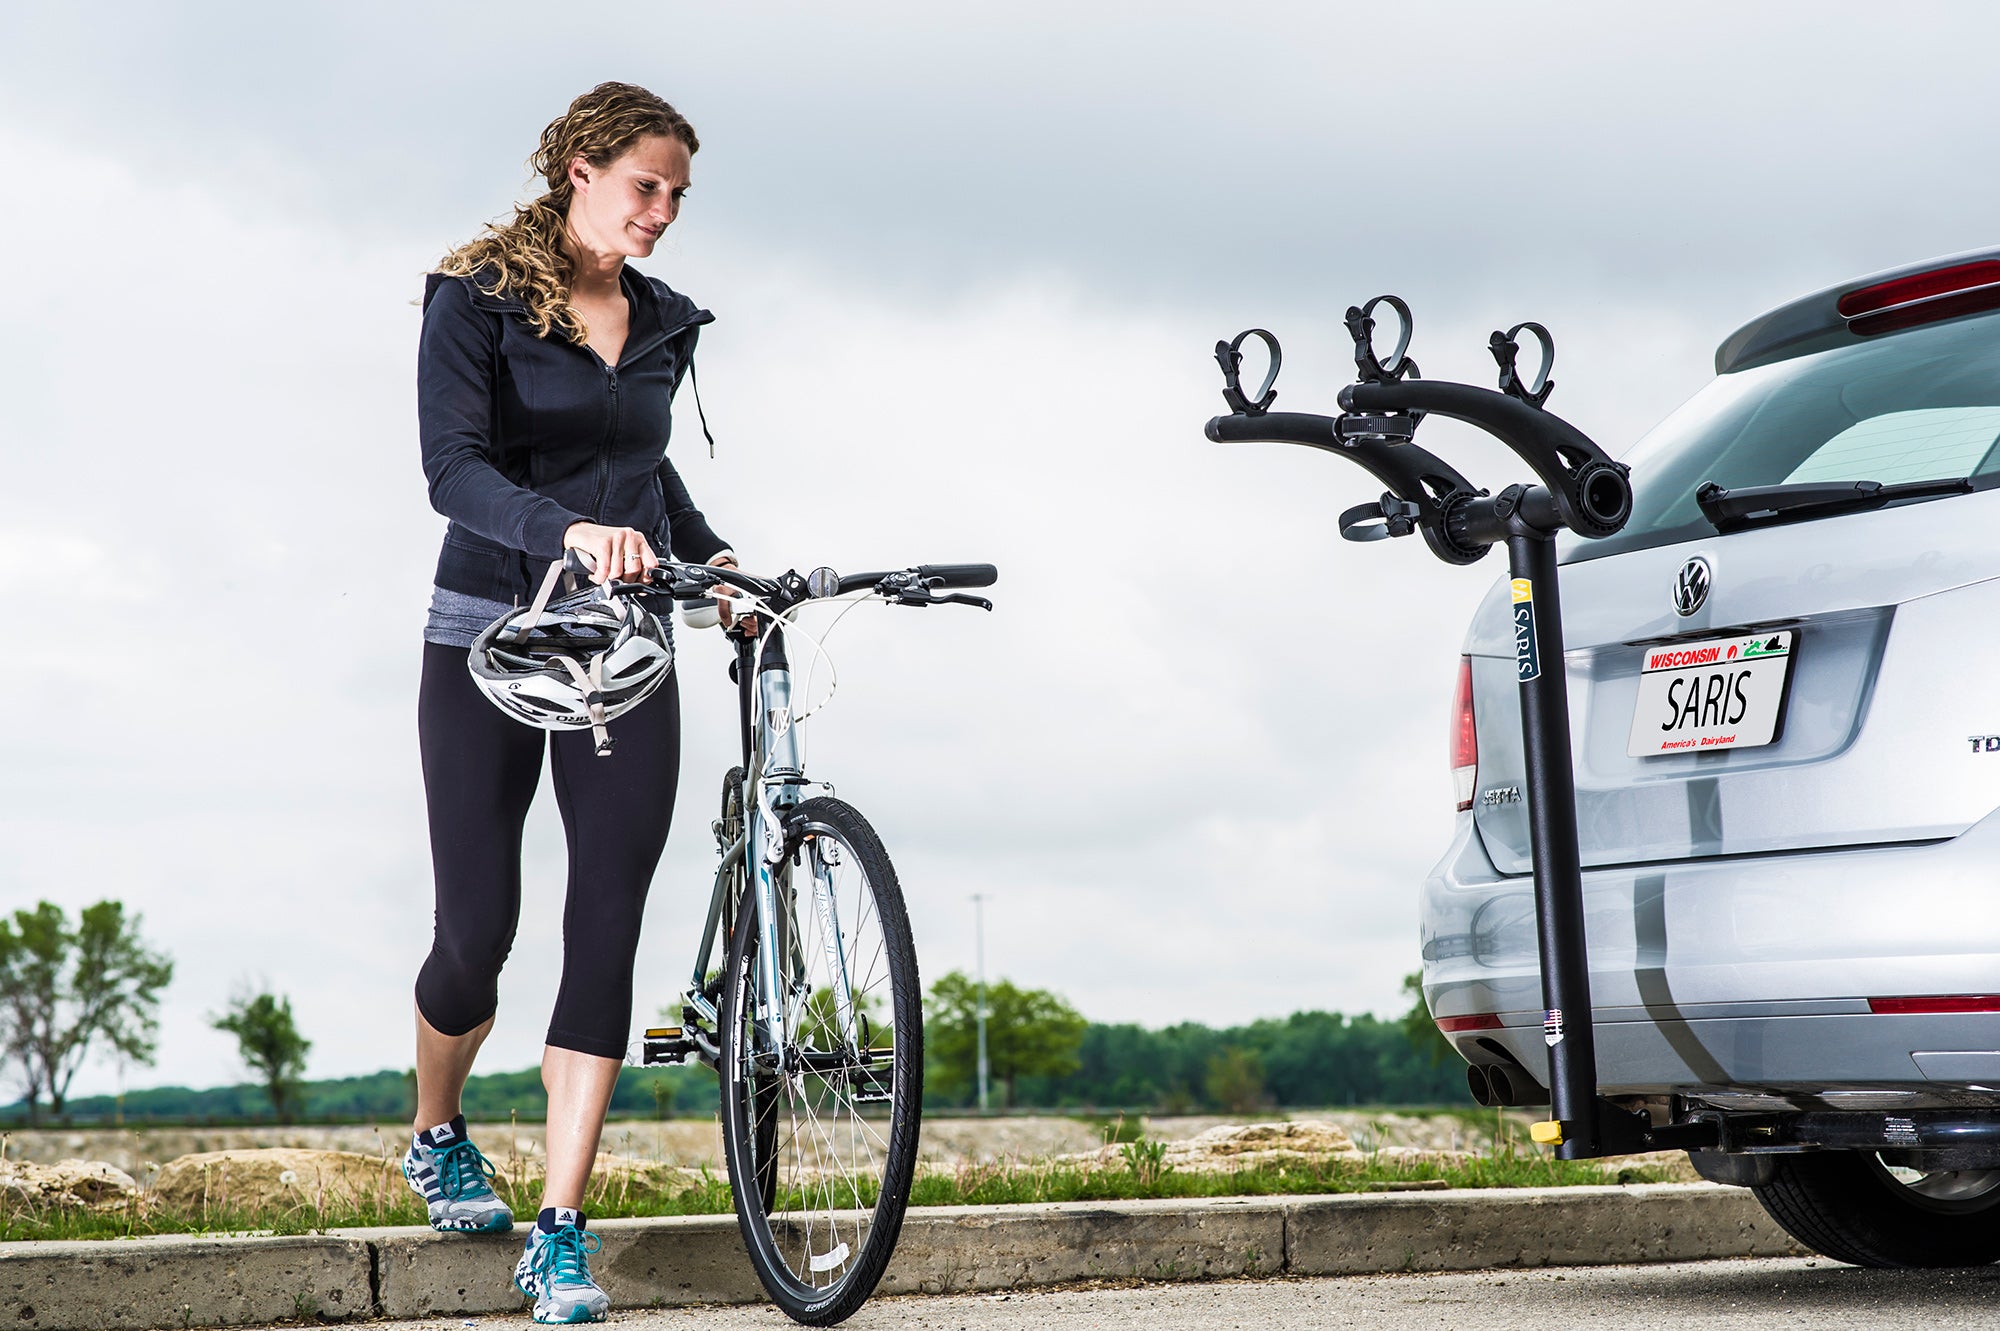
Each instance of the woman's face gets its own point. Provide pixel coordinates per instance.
(624, 207)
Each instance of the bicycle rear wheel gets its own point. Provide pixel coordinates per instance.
(820, 1134)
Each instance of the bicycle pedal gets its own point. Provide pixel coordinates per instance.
(666, 1044)
(870, 1089)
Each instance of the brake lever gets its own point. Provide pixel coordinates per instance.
(693, 586)
(920, 595)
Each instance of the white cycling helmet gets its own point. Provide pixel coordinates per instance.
(578, 661)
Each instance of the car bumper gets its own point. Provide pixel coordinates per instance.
(1744, 981)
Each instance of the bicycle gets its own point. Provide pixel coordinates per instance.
(821, 1055)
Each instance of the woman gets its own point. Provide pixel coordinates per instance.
(544, 381)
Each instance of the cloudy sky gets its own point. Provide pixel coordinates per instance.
(968, 263)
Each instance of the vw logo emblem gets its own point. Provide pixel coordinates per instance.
(1691, 587)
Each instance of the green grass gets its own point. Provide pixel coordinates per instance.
(1140, 1174)
(29, 1221)
(1141, 1177)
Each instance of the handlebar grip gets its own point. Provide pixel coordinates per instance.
(959, 575)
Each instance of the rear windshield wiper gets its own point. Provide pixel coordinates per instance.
(1768, 505)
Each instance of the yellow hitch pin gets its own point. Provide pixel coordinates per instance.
(1549, 1133)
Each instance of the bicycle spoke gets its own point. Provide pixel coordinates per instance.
(838, 1143)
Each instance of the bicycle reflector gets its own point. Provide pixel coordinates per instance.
(1464, 738)
(1921, 298)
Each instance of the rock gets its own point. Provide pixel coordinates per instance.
(283, 1177)
(1417, 1155)
(1230, 1147)
(614, 1176)
(1308, 1137)
(1671, 1167)
(69, 1183)
(349, 1181)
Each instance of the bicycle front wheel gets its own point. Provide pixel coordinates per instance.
(820, 1127)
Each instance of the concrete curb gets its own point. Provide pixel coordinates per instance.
(175, 1281)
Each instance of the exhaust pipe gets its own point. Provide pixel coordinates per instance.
(1481, 1084)
(1510, 1086)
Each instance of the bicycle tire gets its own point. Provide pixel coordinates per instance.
(729, 827)
(802, 1156)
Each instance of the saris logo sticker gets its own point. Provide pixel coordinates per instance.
(1527, 663)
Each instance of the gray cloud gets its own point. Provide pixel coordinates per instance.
(968, 268)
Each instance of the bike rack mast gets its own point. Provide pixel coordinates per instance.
(1582, 490)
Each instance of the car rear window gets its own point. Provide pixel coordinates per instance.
(1916, 406)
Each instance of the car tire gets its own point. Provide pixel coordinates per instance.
(1851, 1207)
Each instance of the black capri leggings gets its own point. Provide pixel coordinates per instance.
(480, 771)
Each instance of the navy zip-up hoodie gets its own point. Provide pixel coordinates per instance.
(524, 435)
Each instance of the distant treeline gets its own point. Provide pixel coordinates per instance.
(387, 1096)
(1309, 1059)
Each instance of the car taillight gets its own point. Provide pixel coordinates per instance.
(1920, 298)
(1464, 738)
(1919, 286)
(1478, 1021)
(1935, 1003)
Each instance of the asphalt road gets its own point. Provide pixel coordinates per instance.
(1765, 1295)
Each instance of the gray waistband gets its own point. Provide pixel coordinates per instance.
(456, 619)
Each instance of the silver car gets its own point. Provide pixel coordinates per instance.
(1792, 884)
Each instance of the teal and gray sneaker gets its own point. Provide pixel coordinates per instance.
(450, 1174)
(554, 1270)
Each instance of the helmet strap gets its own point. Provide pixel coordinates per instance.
(591, 685)
(520, 628)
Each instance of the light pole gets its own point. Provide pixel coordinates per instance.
(979, 944)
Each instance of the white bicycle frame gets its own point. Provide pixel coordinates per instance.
(774, 785)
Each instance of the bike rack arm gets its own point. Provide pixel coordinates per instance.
(1592, 493)
(1581, 489)
(1413, 475)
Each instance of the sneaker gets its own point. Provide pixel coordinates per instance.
(449, 1173)
(554, 1271)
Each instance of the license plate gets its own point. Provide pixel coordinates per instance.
(1727, 693)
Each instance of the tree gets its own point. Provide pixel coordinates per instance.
(1235, 1080)
(270, 1043)
(1418, 1025)
(64, 990)
(1029, 1033)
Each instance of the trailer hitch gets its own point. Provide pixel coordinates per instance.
(1579, 488)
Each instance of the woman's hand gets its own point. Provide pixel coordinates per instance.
(617, 552)
(727, 560)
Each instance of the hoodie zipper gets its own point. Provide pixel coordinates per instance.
(604, 449)
(625, 357)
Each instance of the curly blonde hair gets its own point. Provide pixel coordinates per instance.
(524, 256)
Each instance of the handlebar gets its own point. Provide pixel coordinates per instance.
(913, 586)
(958, 575)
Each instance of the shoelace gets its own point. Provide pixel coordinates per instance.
(562, 1258)
(463, 1170)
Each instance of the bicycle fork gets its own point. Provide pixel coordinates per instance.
(778, 780)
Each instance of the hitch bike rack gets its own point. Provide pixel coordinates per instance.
(1579, 489)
